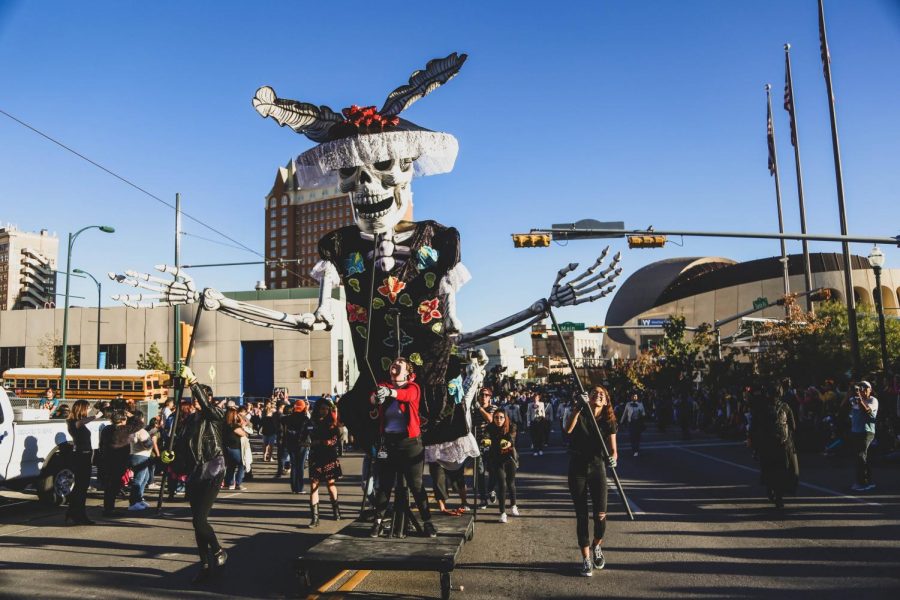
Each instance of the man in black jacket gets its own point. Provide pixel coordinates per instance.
(204, 432)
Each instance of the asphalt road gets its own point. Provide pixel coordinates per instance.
(703, 529)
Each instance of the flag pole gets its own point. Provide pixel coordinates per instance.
(791, 107)
(839, 181)
(773, 171)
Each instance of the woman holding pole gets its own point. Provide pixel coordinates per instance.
(587, 472)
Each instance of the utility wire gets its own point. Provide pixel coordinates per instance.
(130, 183)
(211, 241)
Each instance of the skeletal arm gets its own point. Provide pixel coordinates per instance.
(592, 284)
(181, 291)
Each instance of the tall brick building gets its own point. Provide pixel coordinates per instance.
(296, 218)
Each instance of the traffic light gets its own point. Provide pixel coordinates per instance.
(186, 331)
(531, 240)
(307, 374)
(646, 241)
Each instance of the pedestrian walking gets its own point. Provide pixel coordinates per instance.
(141, 446)
(863, 413)
(205, 458)
(587, 472)
(324, 465)
(83, 459)
(296, 430)
(633, 417)
(115, 452)
(481, 418)
(234, 456)
(537, 424)
(771, 436)
(504, 461)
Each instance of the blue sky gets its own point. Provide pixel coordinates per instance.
(651, 112)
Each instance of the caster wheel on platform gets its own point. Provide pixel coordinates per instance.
(305, 583)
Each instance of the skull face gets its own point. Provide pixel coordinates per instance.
(380, 193)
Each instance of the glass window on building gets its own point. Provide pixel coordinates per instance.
(284, 201)
(115, 355)
(284, 252)
(284, 241)
(284, 220)
(12, 357)
(271, 202)
(272, 244)
(284, 211)
(284, 231)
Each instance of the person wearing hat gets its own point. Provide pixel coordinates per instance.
(295, 435)
(863, 412)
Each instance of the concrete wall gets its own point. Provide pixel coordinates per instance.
(217, 345)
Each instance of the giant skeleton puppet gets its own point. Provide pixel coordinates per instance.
(399, 276)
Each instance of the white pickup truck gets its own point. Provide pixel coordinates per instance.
(37, 450)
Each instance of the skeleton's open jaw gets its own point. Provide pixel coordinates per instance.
(372, 206)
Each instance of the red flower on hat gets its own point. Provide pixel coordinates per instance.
(428, 310)
(366, 117)
(391, 288)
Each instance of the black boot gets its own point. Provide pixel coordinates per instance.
(377, 528)
(314, 521)
(336, 508)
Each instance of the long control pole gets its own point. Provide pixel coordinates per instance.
(586, 409)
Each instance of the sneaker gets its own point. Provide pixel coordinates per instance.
(231, 487)
(540, 452)
(867, 487)
(503, 517)
(430, 530)
(152, 486)
(635, 454)
(137, 506)
(515, 510)
(587, 568)
(597, 557)
(242, 488)
(857, 487)
(483, 505)
(493, 499)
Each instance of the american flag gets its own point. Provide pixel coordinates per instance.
(823, 41)
(789, 97)
(770, 135)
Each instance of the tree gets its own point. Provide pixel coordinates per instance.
(153, 359)
(50, 350)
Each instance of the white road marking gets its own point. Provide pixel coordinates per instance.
(811, 486)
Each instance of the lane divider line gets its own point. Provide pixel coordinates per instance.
(323, 589)
(811, 486)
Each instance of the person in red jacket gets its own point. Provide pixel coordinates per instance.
(400, 451)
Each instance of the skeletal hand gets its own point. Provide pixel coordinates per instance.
(578, 290)
(166, 292)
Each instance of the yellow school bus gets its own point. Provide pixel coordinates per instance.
(90, 384)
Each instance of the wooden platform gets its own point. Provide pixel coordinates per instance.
(352, 548)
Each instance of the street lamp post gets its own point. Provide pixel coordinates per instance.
(876, 259)
(65, 347)
(99, 299)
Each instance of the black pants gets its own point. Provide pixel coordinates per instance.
(406, 458)
(202, 494)
(863, 470)
(486, 479)
(539, 433)
(113, 471)
(506, 482)
(441, 477)
(588, 476)
(81, 465)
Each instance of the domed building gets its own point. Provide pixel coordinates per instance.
(706, 289)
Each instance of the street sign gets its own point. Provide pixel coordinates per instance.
(761, 303)
(652, 322)
(304, 385)
(587, 224)
(570, 326)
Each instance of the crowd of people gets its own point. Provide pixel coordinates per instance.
(306, 440)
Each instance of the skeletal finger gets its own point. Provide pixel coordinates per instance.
(149, 278)
(174, 271)
(563, 272)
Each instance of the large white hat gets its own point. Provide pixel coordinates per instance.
(363, 135)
